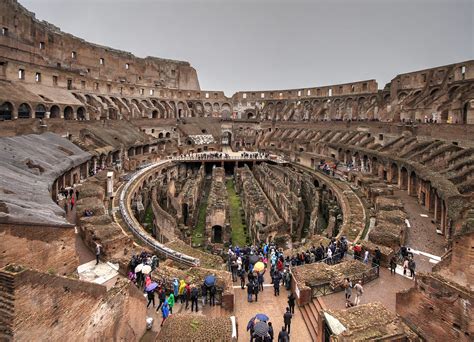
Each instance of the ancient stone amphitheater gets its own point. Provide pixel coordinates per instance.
(165, 167)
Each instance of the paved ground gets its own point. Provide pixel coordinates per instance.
(381, 290)
(271, 305)
(422, 234)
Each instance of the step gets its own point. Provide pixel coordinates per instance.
(309, 325)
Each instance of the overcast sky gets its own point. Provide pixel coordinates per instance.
(273, 44)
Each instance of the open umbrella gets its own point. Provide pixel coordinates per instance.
(146, 269)
(251, 323)
(138, 268)
(210, 280)
(151, 287)
(261, 329)
(253, 259)
(259, 266)
(262, 317)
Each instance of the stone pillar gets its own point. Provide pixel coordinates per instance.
(443, 217)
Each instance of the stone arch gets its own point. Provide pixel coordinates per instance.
(54, 112)
(207, 109)
(81, 113)
(434, 92)
(155, 114)
(226, 111)
(68, 113)
(393, 173)
(24, 111)
(403, 183)
(40, 111)
(413, 184)
(217, 234)
(6, 111)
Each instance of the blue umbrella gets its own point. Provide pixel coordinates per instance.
(250, 324)
(210, 280)
(262, 317)
(151, 287)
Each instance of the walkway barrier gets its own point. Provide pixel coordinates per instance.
(137, 229)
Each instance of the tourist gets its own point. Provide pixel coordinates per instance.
(171, 302)
(287, 316)
(212, 296)
(204, 294)
(291, 302)
(181, 290)
(283, 335)
(270, 332)
(161, 297)
(151, 298)
(411, 267)
(347, 288)
(98, 250)
(276, 286)
(242, 278)
(175, 287)
(366, 257)
(393, 264)
(77, 194)
(405, 266)
(194, 298)
(359, 292)
(165, 311)
(250, 292)
(187, 295)
(255, 289)
(260, 280)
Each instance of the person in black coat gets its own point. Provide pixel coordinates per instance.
(287, 320)
(283, 335)
(291, 302)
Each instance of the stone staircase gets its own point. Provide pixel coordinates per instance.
(7, 306)
(312, 318)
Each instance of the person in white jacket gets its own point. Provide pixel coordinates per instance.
(359, 292)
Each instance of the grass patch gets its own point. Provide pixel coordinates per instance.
(148, 220)
(197, 237)
(239, 230)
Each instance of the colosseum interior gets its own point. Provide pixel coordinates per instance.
(102, 148)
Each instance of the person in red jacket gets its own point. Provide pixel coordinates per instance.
(187, 294)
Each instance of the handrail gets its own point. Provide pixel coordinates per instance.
(137, 229)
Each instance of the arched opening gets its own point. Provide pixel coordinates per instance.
(465, 109)
(68, 113)
(403, 178)
(216, 234)
(413, 184)
(113, 114)
(55, 112)
(393, 173)
(6, 111)
(81, 113)
(154, 114)
(250, 116)
(160, 136)
(168, 135)
(40, 111)
(227, 138)
(316, 183)
(24, 111)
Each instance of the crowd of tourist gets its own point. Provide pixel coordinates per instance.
(141, 269)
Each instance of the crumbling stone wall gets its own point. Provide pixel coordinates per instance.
(217, 214)
(260, 216)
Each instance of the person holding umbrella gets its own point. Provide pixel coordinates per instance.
(151, 298)
(260, 331)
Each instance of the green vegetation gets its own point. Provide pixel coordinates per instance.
(239, 230)
(148, 220)
(198, 231)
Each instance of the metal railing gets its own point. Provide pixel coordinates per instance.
(136, 228)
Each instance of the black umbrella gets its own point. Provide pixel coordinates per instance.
(261, 329)
(253, 259)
